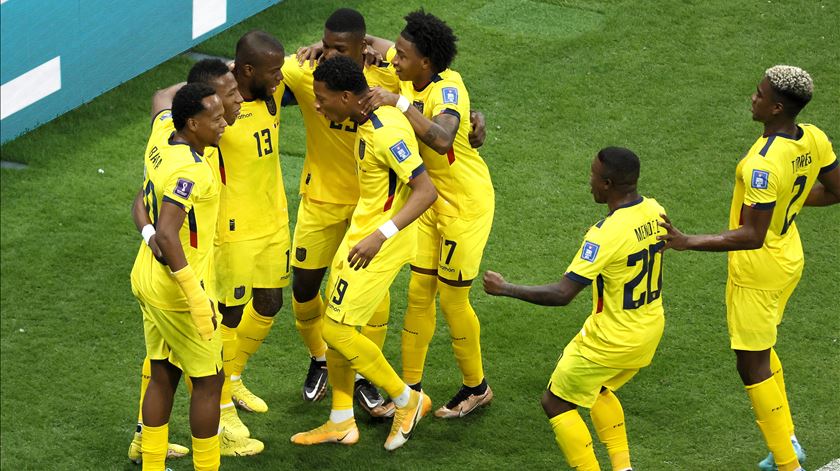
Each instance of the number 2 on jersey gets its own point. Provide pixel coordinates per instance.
(649, 269)
(800, 182)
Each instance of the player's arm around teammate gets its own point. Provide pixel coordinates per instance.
(773, 181)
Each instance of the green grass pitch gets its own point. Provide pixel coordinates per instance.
(557, 80)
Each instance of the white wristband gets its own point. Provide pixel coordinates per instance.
(388, 229)
(147, 232)
(403, 104)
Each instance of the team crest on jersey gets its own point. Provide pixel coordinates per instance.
(361, 149)
(759, 179)
(239, 292)
(400, 151)
(183, 188)
(271, 105)
(450, 95)
(589, 251)
(418, 104)
(300, 254)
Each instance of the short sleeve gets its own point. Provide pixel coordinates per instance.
(162, 123)
(446, 98)
(761, 183)
(402, 155)
(181, 189)
(292, 72)
(594, 254)
(829, 158)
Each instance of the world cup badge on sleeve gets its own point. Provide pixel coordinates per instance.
(759, 179)
(589, 251)
(400, 151)
(450, 95)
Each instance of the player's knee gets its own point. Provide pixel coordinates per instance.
(553, 405)
(306, 283)
(454, 299)
(268, 302)
(231, 315)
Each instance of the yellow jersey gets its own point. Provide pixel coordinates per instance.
(622, 256)
(461, 176)
(386, 158)
(329, 169)
(253, 201)
(174, 173)
(776, 175)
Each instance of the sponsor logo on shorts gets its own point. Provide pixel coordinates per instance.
(239, 292)
(450, 95)
(759, 179)
(300, 254)
(589, 251)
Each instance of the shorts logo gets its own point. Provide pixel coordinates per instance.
(589, 251)
(239, 292)
(183, 188)
(165, 116)
(759, 179)
(300, 254)
(450, 95)
(400, 151)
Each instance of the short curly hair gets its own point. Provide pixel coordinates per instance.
(346, 20)
(341, 73)
(187, 102)
(207, 70)
(432, 37)
(792, 85)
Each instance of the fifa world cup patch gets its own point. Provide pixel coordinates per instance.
(759, 179)
(183, 188)
(450, 95)
(589, 251)
(400, 151)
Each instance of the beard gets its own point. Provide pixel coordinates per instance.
(259, 92)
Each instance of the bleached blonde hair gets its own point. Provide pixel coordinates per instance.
(791, 82)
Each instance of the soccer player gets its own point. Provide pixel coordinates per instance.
(329, 192)
(235, 439)
(182, 198)
(394, 190)
(622, 256)
(773, 181)
(454, 232)
(253, 247)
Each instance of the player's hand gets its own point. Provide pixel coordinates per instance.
(204, 317)
(674, 239)
(363, 252)
(494, 283)
(377, 97)
(371, 56)
(153, 245)
(477, 131)
(311, 53)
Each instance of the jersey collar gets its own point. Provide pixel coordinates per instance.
(627, 205)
